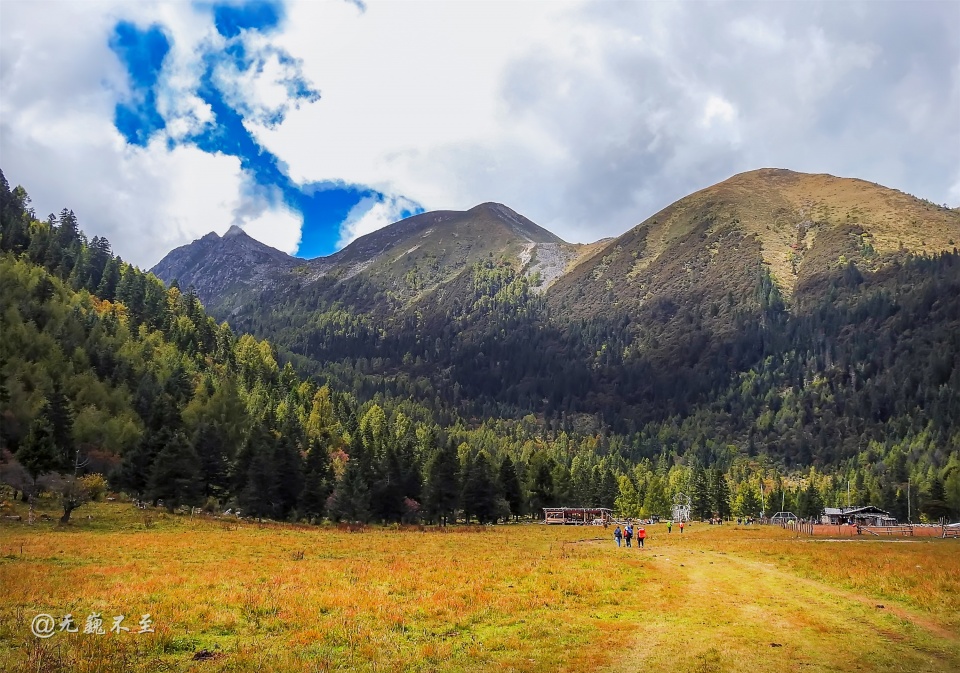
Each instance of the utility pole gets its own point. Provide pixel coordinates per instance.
(848, 494)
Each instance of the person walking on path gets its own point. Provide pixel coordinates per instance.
(617, 535)
(641, 535)
(669, 526)
(681, 527)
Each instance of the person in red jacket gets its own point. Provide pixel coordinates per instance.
(641, 535)
(681, 526)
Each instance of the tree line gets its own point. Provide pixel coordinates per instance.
(106, 371)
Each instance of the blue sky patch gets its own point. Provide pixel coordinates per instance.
(323, 206)
(142, 53)
(261, 16)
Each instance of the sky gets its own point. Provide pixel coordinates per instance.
(310, 123)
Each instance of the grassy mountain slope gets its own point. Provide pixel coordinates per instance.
(771, 277)
(797, 225)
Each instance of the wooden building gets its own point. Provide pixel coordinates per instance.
(860, 516)
(577, 516)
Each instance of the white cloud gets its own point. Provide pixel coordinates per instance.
(587, 117)
(370, 214)
(584, 116)
(58, 139)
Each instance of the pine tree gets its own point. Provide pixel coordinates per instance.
(38, 452)
(628, 501)
(609, 489)
(257, 497)
(209, 445)
(509, 485)
(442, 486)
(107, 289)
(700, 494)
(810, 504)
(655, 501)
(351, 497)
(720, 494)
(318, 481)
(58, 412)
(935, 504)
(261, 442)
(287, 469)
(541, 485)
(480, 491)
(137, 465)
(175, 474)
(562, 487)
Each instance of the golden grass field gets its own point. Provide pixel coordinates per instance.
(511, 598)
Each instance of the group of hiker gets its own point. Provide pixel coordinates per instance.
(626, 534)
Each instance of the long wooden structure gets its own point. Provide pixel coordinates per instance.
(577, 516)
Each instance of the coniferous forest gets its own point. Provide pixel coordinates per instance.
(490, 408)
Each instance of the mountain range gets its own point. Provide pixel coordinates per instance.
(485, 313)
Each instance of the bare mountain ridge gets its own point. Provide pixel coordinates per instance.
(215, 265)
(706, 245)
(406, 258)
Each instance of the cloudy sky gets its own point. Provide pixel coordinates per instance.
(309, 123)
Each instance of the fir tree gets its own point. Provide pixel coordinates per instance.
(351, 497)
(700, 504)
(480, 491)
(720, 494)
(209, 445)
(609, 490)
(257, 497)
(656, 502)
(175, 474)
(509, 484)
(541, 485)
(442, 486)
(318, 481)
(38, 453)
(287, 469)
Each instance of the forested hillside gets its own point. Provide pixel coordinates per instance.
(481, 403)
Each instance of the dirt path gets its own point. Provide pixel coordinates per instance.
(721, 612)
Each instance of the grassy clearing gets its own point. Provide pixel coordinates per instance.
(515, 598)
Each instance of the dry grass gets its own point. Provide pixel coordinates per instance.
(514, 598)
(770, 205)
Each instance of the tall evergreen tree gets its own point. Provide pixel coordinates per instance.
(700, 504)
(541, 485)
(351, 497)
(387, 493)
(175, 474)
(810, 503)
(656, 502)
(318, 481)
(38, 454)
(719, 494)
(442, 487)
(480, 491)
(257, 498)
(287, 469)
(509, 484)
(609, 489)
(209, 445)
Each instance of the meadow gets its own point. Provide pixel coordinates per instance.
(229, 596)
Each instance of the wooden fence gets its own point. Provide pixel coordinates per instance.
(906, 531)
(797, 526)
